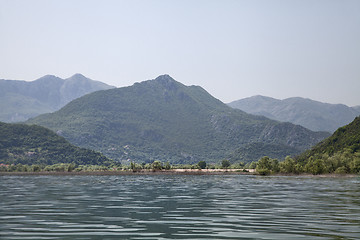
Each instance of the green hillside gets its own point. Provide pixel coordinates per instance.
(255, 151)
(20, 143)
(164, 120)
(338, 153)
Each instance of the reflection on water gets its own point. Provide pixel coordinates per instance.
(179, 207)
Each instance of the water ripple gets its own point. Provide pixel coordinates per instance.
(179, 207)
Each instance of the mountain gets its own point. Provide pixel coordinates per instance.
(316, 116)
(20, 100)
(163, 119)
(20, 143)
(339, 153)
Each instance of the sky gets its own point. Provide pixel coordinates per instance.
(232, 48)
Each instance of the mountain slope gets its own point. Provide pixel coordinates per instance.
(311, 114)
(20, 143)
(341, 150)
(162, 119)
(20, 100)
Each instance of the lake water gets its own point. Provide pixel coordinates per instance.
(179, 207)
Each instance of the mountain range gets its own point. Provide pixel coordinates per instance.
(162, 119)
(21, 100)
(314, 115)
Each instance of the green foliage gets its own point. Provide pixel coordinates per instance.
(157, 165)
(339, 153)
(264, 163)
(288, 165)
(266, 166)
(164, 120)
(167, 166)
(341, 170)
(225, 163)
(254, 151)
(252, 165)
(202, 164)
(58, 167)
(27, 145)
(316, 166)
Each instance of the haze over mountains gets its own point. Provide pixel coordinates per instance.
(20, 100)
(314, 115)
(165, 120)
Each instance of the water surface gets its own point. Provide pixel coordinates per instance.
(179, 207)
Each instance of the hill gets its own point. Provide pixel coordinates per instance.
(338, 153)
(316, 116)
(20, 100)
(20, 143)
(165, 120)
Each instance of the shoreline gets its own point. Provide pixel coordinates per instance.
(170, 172)
(141, 172)
(123, 173)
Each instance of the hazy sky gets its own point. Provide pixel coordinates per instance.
(233, 49)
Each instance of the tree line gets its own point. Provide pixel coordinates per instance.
(339, 163)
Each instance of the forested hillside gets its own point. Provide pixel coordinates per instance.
(339, 153)
(165, 120)
(20, 143)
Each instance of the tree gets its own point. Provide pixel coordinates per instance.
(225, 163)
(202, 164)
(132, 166)
(355, 165)
(264, 163)
(167, 166)
(263, 166)
(287, 166)
(316, 166)
(157, 165)
(274, 165)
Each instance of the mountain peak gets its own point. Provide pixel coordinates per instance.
(165, 81)
(164, 77)
(48, 77)
(77, 76)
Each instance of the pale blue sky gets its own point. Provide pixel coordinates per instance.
(233, 49)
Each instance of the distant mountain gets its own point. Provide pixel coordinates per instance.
(339, 153)
(316, 116)
(165, 120)
(20, 143)
(20, 100)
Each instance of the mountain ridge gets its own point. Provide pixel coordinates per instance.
(314, 115)
(20, 100)
(162, 119)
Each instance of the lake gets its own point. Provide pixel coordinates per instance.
(179, 207)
